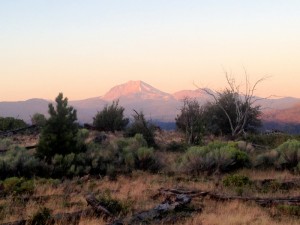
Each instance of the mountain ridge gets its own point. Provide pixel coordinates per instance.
(138, 95)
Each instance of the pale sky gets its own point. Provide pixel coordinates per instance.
(83, 48)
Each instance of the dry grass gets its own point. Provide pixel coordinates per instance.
(92, 221)
(268, 174)
(138, 191)
(235, 213)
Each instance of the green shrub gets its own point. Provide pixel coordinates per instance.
(5, 143)
(38, 119)
(129, 160)
(266, 160)
(216, 156)
(272, 186)
(285, 156)
(10, 123)
(20, 162)
(50, 181)
(111, 118)
(267, 141)
(289, 154)
(17, 186)
(145, 158)
(83, 134)
(71, 165)
(236, 180)
(127, 154)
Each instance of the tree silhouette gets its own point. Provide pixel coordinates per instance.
(111, 118)
(59, 135)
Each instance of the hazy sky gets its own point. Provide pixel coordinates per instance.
(83, 48)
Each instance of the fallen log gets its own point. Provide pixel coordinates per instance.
(158, 212)
(12, 132)
(96, 205)
(30, 147)
(261, 201)
(277, 184)
(190, 193)
(26, 147)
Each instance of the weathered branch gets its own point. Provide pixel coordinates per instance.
(220, 197)
(12, 132)
(159, 211)
(243, 102)
(96, 205)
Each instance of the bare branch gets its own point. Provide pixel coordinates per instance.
(243, 102)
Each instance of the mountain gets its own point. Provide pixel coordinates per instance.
(87, 108)
(155, 104)
(140, 96)
(273, 104)
(287, 115)
(180, 95)
(135, 90)
(24, 109)
(197, 94)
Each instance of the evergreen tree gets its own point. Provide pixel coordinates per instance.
(59, 135)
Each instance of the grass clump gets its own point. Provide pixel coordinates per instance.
(41, 217)
(115, 206)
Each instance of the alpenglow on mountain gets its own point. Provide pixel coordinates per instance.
(135, 89)
(139, 96)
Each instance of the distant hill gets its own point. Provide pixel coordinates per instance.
(197, 94)
(287, 115)
(157, 105)
(24, 109)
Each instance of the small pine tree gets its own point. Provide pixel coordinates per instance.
(59, 135)
(111, 118)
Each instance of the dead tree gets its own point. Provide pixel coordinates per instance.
(244, 102)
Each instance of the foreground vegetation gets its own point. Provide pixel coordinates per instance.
(137, 174)
(126, 174)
